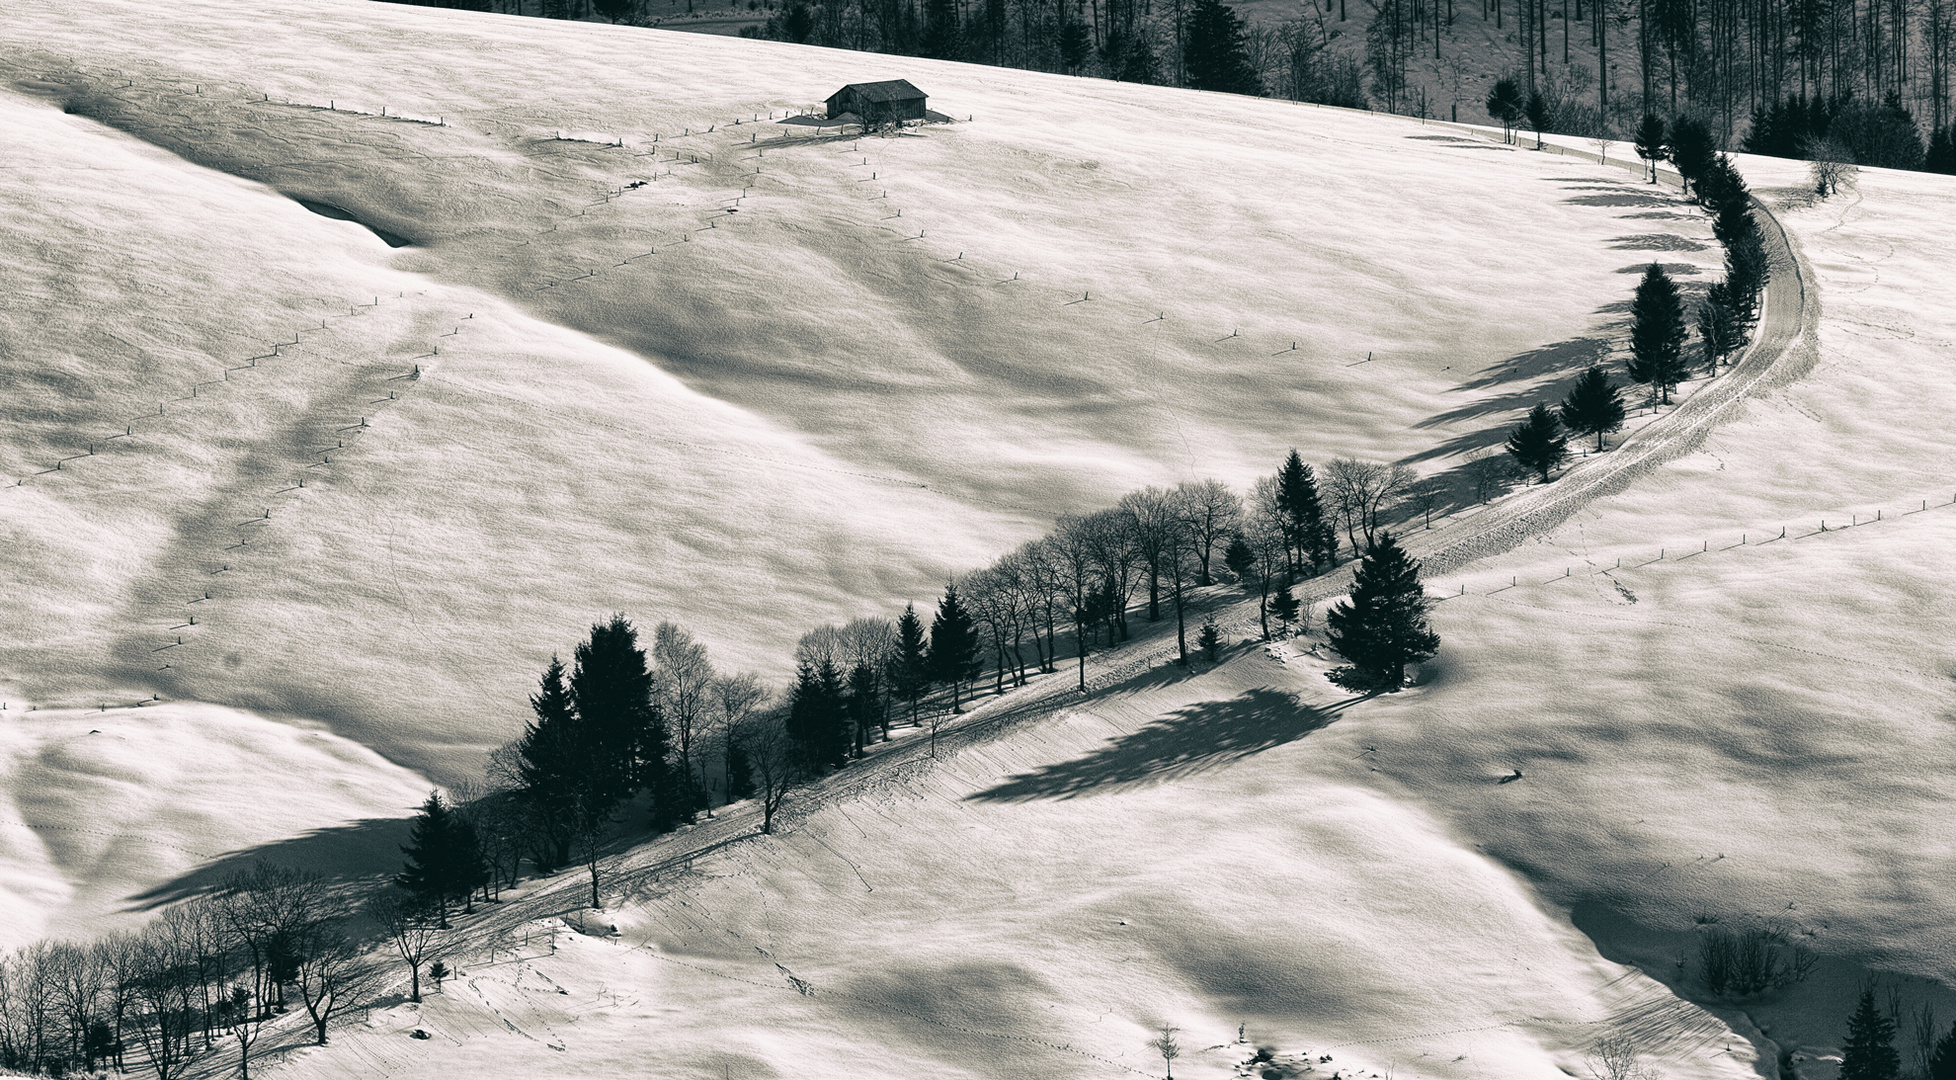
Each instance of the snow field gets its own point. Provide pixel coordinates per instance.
(823, 385)
(101, 807)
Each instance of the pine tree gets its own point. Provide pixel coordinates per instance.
(1691, 149)
(435, 866)
(1504, 104)
(1870, 1050)
(1657, 333)
(611, 690)
(1382, 628)
(817, 715)
(1537, 111)
(1941, 157)
(1310, 534)
(1746, 270)
(909, 671)
(1593, 406)
(954, 655)
(1215, 55)
(1285, 608)
(1210, 640)
(1650, 143)
(1538, 443)
(1719, 326)
(1942, 1060)
(553, 761)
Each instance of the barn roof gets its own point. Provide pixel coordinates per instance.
(888, 90)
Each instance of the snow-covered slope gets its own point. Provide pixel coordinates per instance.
(830, 400)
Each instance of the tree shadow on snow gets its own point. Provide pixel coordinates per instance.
(1656, 242)
(345, 853)
(1624, 198)
(1190, 740)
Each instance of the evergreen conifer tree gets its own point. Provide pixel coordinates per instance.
(1504, 104)
(1210, 640)
(954, 654)
(611, 690)
(1745, 273)
(1215, 55)
(552, 760)
(1285, 608)
(1870, 1050)
(1942, 150)
(909, 671)
(1383, 627)
(818, 720)
(1650, 143)
(943, 34)
(1657, 332)
(1537, 111)
(1538, 443)
(1593, 406)
(1691, 149)
(1719, 326)
(1942, 1059)
(1311, 535)
(436, 867)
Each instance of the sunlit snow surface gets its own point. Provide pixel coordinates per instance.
(817, 407)
(826, 407)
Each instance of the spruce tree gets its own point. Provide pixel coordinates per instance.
(1870, 1050)
(1719, 326)
(611, 690)
(1746, 270)
(740, 769)
(435, 866)
(910, 665)
(1657, 333)
(1650, 143)
(1691, 149)
(1942, 1059)
(1382, 628)
(1310, 534)
(954, 653)
(1537, 111)
(1593, 406)
(1941, 157)
(1285, 608)
(1215, 55)
(553, 762)
(817, 717)
(1538, 443)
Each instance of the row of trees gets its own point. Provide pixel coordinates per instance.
(201, 977)
(1658, 329)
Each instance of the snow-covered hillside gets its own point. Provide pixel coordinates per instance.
(752, 395)
(752, 401)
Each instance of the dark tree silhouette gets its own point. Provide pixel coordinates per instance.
(955, 654)
(1215, 55)
(818, 718)
(1942, 1059)
(910, 665)
(1657, 333)
(443, 859)
(1537, 110)
(1651, 145)
(1310, 534)
(1504, 103)
(1869, 1053)
(1538, 443)
(1593, 406)
(1691, 149)
(1719, 326)
(1382, 628)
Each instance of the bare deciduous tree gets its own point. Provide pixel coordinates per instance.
(1361, 491)
(683, 675)
(332, 974)
(413, 935)
(1615, 1057)
(1210, 512)
(779, 765)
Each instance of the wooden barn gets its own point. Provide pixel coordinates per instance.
(878, 102)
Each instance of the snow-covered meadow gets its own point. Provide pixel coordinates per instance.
(751, 396)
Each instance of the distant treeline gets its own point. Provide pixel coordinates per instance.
(1741, 67)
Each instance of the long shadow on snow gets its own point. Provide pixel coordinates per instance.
(341, 853)
(1190, 740)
